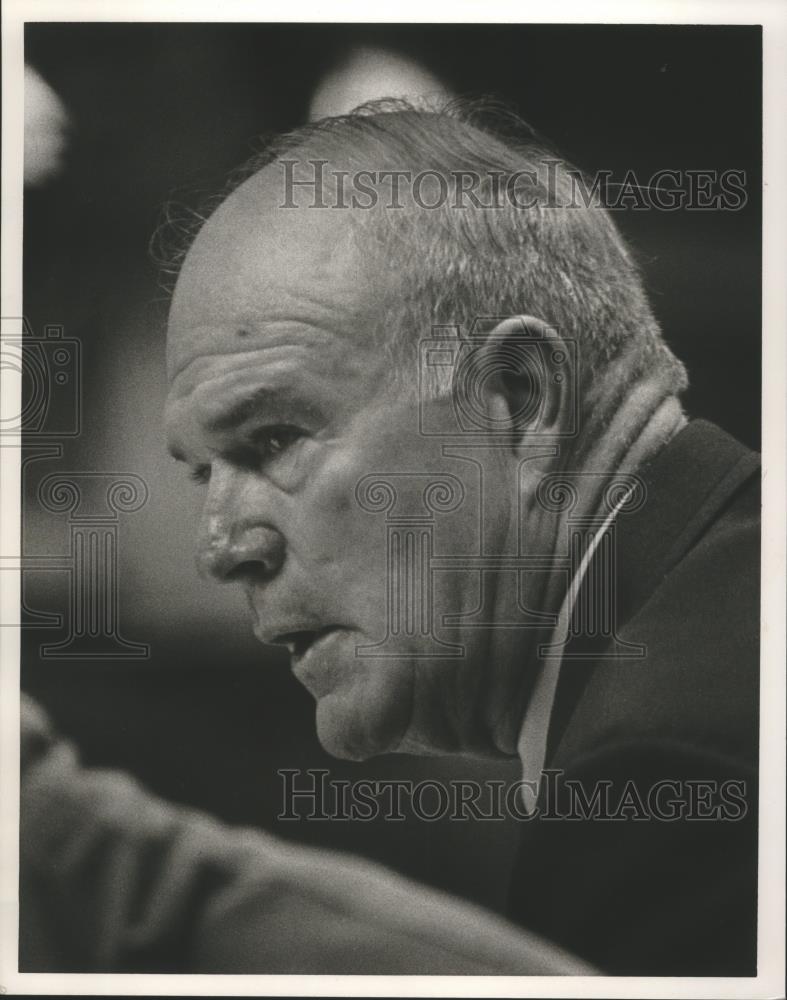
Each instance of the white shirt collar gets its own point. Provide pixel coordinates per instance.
(533, 734)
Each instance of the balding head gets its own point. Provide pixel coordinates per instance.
(255, 258)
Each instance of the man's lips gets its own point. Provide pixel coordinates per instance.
(311, 657)
(300, 643)
(297, 642)
(316, 666)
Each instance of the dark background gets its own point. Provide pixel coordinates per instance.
(165, 111)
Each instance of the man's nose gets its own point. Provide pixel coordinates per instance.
(239, 551)
(237, 544)
(244, 553)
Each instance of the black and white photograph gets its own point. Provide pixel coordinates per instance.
(393, 484)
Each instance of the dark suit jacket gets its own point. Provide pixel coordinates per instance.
(630, 888)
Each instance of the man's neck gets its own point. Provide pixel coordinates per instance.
(644, 422)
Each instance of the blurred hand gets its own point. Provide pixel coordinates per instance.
(119, 880)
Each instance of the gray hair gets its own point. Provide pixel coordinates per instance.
(560, 259)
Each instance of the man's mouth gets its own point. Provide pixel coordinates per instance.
(299, 643)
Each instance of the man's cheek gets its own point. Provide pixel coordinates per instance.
(332, 486)
(330, 514)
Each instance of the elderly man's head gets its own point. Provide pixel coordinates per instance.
(304, 397)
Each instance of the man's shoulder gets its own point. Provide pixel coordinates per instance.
(649, 892)
(696, 682)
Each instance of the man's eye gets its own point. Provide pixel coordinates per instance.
(200, 474)
(267, 444)
(271, 441)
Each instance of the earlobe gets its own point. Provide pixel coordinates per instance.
(529, 372)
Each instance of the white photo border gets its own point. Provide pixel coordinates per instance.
(773, 17)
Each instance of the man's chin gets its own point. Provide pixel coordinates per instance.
(350, 730)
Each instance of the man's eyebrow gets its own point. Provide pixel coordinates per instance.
(236, 414)
(240, 411)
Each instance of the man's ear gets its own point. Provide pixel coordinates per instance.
(528, 379)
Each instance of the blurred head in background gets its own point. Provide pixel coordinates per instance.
(369, 73)
(46, 123)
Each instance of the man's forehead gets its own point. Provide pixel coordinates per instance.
(257, 264)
